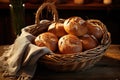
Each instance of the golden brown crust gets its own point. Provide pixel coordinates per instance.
(69, 44)
(57, 29)
(88, 41)
(75, 26)
(94, 28)
(47, 39)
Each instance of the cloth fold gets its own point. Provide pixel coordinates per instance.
(21, 59)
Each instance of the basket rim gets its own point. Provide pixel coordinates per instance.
(105, 42)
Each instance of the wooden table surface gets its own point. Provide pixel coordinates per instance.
(108, 68)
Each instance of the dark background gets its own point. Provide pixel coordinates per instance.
(110, 16)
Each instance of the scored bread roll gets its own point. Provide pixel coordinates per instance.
(69, 44)
(75, 25)
(47, 39)
(57, 28)
(94, 28)
(88, 41)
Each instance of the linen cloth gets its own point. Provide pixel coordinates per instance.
(20, 60)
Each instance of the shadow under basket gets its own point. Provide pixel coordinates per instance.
(69, 62)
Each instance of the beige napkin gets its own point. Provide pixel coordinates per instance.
(21, 59)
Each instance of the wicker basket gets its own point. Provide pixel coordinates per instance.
(69, 62)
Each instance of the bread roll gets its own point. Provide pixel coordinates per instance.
(88, 41)
(47, 39)
(94, 28)
(69, 44)
(57, 28)
(75, 26)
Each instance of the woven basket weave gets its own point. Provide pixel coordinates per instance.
(69, 62)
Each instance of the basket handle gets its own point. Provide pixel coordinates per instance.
(47, 4)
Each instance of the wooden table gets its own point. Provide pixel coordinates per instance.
(108, 68)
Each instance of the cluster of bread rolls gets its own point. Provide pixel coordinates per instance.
(73, 35)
